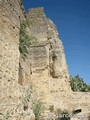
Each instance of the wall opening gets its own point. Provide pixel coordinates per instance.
(77, 111)
(52, 65)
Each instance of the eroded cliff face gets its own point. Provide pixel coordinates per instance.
(46, 66)
(46, 57)
(45, 69)
(9, 52)
(11, 106)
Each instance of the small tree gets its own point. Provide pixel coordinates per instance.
(77, 84)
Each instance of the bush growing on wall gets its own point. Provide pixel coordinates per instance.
(25, 40)
(77, 84)
(38, 108)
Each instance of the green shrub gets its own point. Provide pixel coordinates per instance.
(20, 1)
(25, 40)
(26, 98)
(38, 109)
(77, 84)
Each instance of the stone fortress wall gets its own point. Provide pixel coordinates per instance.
(45, 69)
(10, 90)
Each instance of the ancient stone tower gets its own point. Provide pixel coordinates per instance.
(44, 69)
(46, 63)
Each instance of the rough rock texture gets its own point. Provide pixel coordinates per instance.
(46, 64)
(10, 90)
(47, 58)
(45, 68)
(9, 52)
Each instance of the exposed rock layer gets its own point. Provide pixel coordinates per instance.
(45, 68)
(11, 106)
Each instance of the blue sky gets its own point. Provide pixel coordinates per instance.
(72, 18)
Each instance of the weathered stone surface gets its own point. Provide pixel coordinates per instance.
(11, 92)
(47, 64)
(9, 43)
(49, 73)
(45, 69)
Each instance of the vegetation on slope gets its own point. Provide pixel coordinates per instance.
(77, 84)
(38, 109)
(25, 39)
(37, 104)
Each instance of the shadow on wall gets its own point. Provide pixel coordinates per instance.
(20, 75)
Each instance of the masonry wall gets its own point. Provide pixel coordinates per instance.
(45, 69)
(10, 13)
(48, 69)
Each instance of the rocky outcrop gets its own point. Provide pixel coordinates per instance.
(46, 56)
(9, 52)
(46, 64)
(11, 106)
(45, 68)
